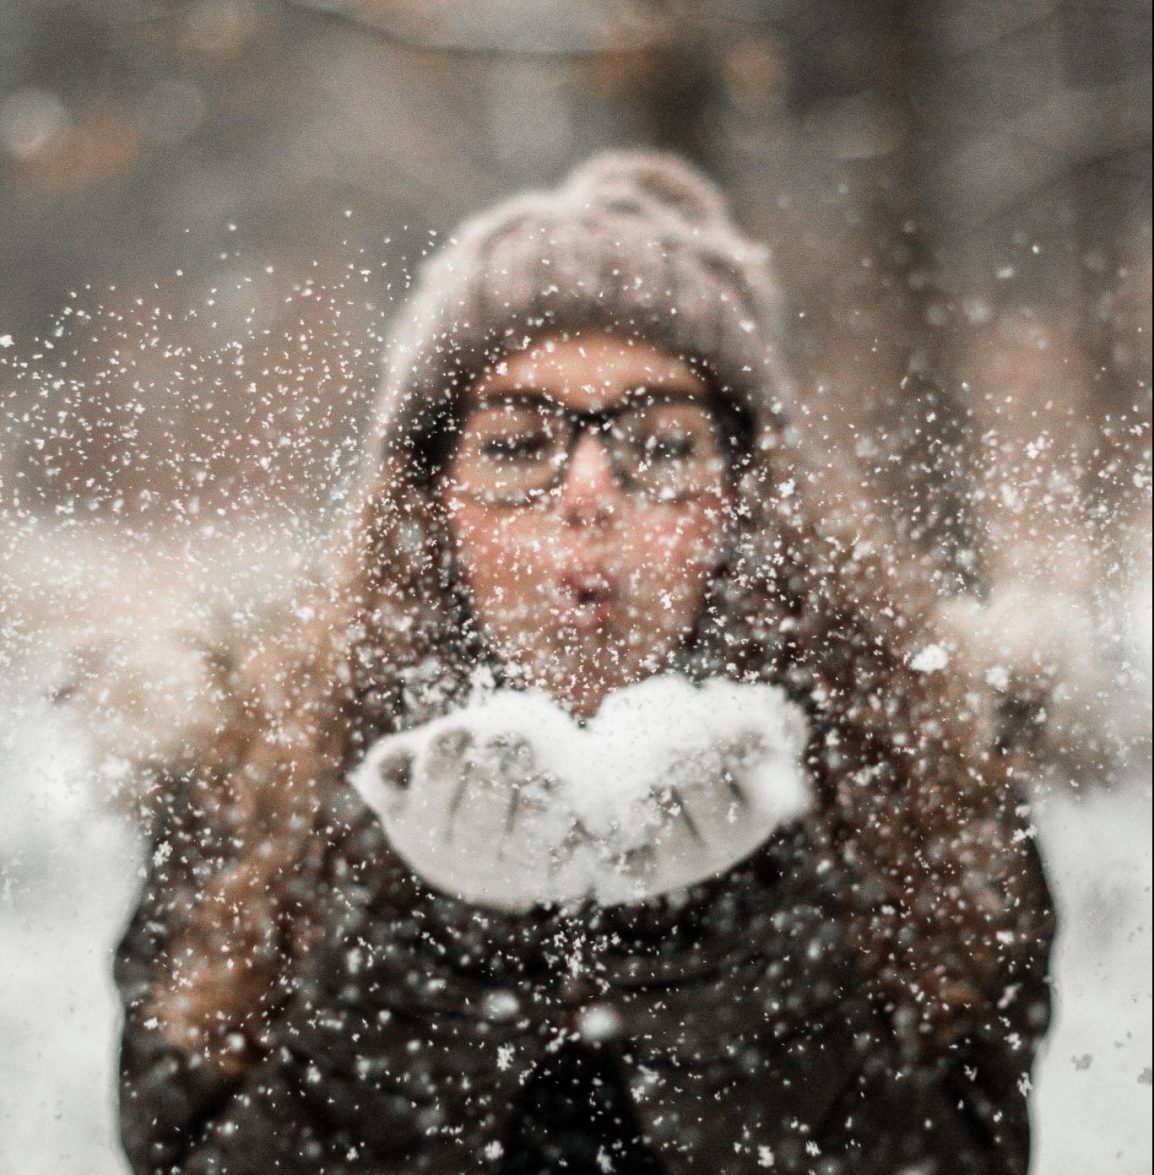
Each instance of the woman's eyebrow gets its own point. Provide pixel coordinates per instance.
(678, 393)
(529, 397)
(536, 397)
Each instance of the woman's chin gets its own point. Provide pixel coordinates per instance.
(584, 691)
(586, 621)
(580, 669)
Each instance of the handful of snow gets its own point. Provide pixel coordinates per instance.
(509, 803)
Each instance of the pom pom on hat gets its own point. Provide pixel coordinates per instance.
(643, 181)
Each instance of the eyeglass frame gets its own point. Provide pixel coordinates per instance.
(731, 441)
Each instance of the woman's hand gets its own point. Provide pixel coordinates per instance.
(475, 817)
(704, 816)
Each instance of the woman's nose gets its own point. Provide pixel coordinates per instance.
(590, 494)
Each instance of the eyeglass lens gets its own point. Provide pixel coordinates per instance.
(515, 450)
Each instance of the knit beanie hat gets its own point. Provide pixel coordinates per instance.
(637, 244)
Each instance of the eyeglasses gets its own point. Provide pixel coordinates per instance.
(517, 450)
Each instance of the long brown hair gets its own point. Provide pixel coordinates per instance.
(814, 597)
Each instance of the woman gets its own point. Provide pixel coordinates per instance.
(584, 491)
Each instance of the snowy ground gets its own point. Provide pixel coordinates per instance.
(1093, 1107)
(69, 869)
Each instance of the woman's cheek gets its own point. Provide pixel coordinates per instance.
(681, 540)
(503, 558)
(673, 557)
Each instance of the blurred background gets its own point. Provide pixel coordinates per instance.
(209, 210)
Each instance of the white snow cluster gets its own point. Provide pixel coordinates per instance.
(510, 802)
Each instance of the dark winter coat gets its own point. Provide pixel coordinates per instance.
(726, 1034)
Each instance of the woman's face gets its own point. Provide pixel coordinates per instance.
(597, 577)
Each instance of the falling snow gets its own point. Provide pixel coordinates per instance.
(700, 801)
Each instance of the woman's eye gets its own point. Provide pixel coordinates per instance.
(669, 447)
(515, 448)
